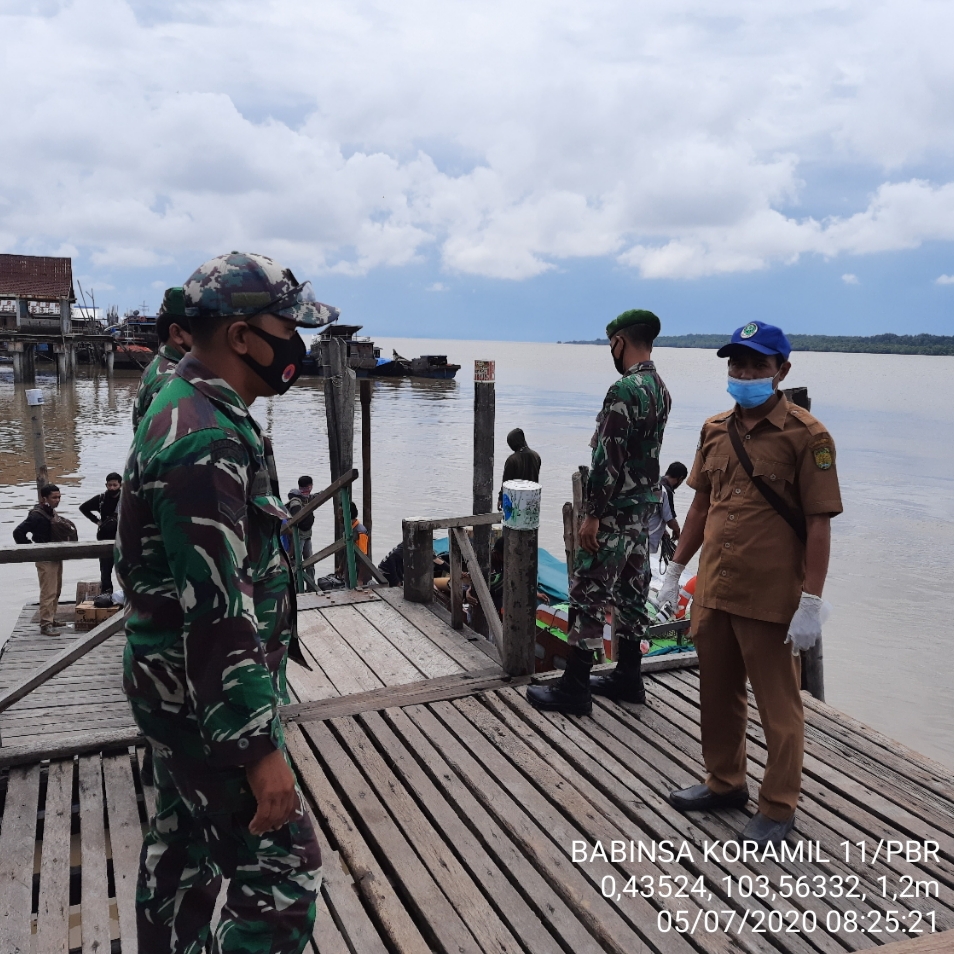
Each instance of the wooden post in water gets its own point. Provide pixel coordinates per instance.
(62, 363)
(34, 398)
(418, 562)
(456, 580)
(520, 531)
(28, 364)
(339, 414)
(110, 360)
(15, 350)
(484, 414)
(813, 664)
(366, 385)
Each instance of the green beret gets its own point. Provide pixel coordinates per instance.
(635, 316)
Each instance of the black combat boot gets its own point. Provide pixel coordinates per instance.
(571, 692)
(624, 683)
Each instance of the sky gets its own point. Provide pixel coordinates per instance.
(501, 170)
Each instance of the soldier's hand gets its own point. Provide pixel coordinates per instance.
(273, 785)
(588, 530)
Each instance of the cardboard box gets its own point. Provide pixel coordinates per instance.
(84, 616)
(87, 591)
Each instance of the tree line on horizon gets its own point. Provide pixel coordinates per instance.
(870, 344)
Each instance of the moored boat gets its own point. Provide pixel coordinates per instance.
(364, 358)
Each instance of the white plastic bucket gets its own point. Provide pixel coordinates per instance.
(521, 504)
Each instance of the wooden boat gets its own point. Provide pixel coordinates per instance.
(364, 358)
(427, 366)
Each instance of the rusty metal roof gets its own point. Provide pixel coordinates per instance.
(36, 277)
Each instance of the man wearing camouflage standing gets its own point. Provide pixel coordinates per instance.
(210, 623)
(175, 340)
(621, 495)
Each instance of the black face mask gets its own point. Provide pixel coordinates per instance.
(618, 362)
(286, 366)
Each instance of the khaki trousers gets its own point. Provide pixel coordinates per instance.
(730, 648)
(51, 583)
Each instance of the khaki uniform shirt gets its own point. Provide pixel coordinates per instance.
(752, 563)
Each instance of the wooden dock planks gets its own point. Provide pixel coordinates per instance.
(483, 793)
(86, 697)
(446, 807)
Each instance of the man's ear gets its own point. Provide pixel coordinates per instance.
(236, 336)
(783, 370)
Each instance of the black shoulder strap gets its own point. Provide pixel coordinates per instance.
(790, 515)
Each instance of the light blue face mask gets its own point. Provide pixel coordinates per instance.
(751, 393)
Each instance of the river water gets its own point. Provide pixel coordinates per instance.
(887, 661)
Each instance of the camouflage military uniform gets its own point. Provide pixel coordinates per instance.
(622, 491)
(211, 619)
(157, 373)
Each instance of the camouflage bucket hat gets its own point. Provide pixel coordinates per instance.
(247, 284)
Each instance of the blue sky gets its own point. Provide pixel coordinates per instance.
(497, 170)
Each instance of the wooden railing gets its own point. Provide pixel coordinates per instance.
(515, 634)
(44, 552)
(39, 552)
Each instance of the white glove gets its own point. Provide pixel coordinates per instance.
(806, 625)
(669, 591)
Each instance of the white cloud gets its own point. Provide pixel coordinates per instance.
(437, 287)
(850, 279)
(505, 138)
(944, 280)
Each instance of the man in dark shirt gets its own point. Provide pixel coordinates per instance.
(38, 528)
(103, 510)
(522, 464)
(671, 481)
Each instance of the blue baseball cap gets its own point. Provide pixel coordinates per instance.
(758, 336)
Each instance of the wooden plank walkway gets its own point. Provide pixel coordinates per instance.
(378, 639)
(86, 697)
(448, 814)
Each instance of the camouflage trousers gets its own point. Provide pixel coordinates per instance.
(617, 574)
(200, 833)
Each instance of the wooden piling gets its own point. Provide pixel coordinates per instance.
(813, 666)
(339, 413)
(569, 538)
(15, 350)
(484, 414)
(418, 563)
(366, 386)
(28, 364)
(519, 602)
(813, 671)
(62, 364)
(34, 398)
(520, 532)
(456, 581)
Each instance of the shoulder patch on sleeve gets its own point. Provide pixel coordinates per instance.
(823, 451)
(227, 449)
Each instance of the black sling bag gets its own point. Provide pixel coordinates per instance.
(794, 518)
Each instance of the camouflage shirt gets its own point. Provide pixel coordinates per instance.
(205, 576)
(157, 373)
(629, 430)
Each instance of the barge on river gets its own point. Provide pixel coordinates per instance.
(364, 358)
